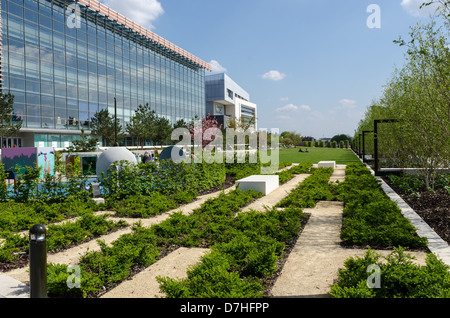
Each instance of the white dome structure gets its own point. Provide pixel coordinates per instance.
(108, 157)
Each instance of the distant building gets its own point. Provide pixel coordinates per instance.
(225, 99)
(308, 138)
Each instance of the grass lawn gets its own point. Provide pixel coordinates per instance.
(341, 156)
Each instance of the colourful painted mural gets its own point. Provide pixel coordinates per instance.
(16, 160)
(46, 160)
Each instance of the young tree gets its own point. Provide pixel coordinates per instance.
(163, 129)
(8, 127)
(142, 126)
(197, 127)
(102, 125)
(418, 96)
(85, 144)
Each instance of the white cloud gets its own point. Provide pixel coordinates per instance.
(284, 99)
(143, 12)
(292, 107)
(413, 7)
(347, 103)
(216, 67)
(305, 107)
(288, 107)
(274, 76)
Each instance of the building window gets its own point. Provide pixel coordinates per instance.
(230, 93)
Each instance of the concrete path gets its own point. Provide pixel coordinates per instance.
(338, 174)
(145, 285)
(314, 262)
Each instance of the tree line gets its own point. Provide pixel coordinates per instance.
(417, 97)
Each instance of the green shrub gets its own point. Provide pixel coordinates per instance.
(407, 184)
(211, 278)
(399, 277)
(141, 206)
(370, 217)
(315, 187)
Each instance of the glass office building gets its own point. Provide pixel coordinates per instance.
(64, 61)
(225, 99)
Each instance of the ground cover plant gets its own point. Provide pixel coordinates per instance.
(314, 188)
(286, 175)
(167, 178)
(399, 277)
(370, 218)
(59, 236)
(240, 265)
(249, 243)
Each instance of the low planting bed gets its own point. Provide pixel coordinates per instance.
(370, 218)
(399, 277)
(245, 250)
(314, 188)
(433, 206)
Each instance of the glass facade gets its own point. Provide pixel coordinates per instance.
(61, 76)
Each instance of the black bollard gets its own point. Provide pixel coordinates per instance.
(38, 261)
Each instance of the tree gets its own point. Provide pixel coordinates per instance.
(293, 138)
(181, 123)
(241, 123)
(163, 130)
(341, 137)
(142, 125)
(85, 144)
(197, 127)
(8, 126)
(418, 96)
(102, 125)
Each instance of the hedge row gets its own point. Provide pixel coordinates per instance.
(370, 218)
(314, 188)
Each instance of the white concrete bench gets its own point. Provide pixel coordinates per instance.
(260, 183)
(327, 164)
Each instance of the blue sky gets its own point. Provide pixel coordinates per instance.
(311, 66)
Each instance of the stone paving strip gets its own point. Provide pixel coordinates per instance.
(313, 264)
(145, 285)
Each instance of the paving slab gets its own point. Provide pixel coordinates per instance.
(338, 174)
(313, 264)
(145, 285)
(12, 288)
(270, 200)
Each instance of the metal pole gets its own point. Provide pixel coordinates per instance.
(359, 145)
(38, 261)
(375, 145)
(364, 143)
(115, 123)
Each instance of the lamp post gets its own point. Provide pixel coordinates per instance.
(38, 261)
(116, 144)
